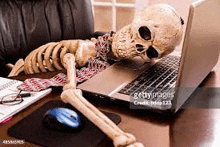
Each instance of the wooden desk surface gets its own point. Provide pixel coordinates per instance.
(191, 127)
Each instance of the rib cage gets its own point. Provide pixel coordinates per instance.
(49, 57)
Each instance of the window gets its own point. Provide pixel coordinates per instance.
(111, 15)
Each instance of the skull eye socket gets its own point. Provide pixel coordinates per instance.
(139, 47)
(144, 33)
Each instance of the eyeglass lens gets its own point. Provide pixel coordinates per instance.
(11, 99)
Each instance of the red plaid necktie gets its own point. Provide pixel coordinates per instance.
(37, 84)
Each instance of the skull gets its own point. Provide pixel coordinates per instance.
(154, 33)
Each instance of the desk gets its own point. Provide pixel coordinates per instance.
(190, 127)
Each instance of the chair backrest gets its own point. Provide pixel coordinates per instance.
(28, 24)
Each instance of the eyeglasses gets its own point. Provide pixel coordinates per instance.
(14, 98)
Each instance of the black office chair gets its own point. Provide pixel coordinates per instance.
(28, 24)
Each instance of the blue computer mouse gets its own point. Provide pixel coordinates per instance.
(62, 119)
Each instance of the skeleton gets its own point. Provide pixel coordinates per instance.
(153, 34)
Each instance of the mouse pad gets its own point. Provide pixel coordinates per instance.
(31, 129)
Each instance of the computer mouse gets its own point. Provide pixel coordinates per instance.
(62, 119)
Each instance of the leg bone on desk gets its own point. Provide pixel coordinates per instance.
(74, 97)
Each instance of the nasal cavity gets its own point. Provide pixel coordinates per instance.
(152, 52)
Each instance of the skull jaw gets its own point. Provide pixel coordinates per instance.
(124, 44)
(120, 43)
(143, 56)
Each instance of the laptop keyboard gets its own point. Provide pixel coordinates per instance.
(161, 76)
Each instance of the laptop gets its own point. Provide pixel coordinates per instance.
(165, 85)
